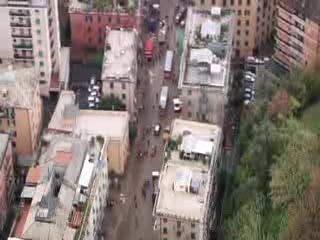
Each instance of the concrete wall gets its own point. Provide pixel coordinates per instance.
(174, 228)
(117, 91)
(6, 50)
(191, 105)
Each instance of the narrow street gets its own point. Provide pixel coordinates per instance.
(130, 220)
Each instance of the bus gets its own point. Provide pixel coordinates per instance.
(168, 64)
(163, 99)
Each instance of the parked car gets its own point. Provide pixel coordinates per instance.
(247, 90)
(248, 73)
(91, 105)
(249, 79)
(157, 129)
(92, 80)
(247, 96)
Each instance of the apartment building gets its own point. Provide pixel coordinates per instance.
(6, 177)
(21, 110)
(298, 33)
(111, 125)
(253, 22)
(30, 35)
(119, 68)
(205, 64)
(188, 177)
(65, 194)
(89, 20)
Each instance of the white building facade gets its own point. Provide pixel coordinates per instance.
(30, 35)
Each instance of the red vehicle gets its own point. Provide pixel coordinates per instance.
(148, 49)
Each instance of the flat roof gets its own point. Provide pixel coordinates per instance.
(120, 57)
(207, 49)
(191, 205)
(17, 86)
(192, 174)
(113, 124)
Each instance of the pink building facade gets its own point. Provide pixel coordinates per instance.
(88, 28)
(298, 33)
(6, 177)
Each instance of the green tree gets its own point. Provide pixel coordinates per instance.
(112, 103)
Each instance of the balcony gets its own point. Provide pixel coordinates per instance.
(21, 35)
(23, 45)
(18, 2)
(21, 24)
(22, 56)
(19, 13)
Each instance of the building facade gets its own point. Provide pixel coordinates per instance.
(205, 65)
(21, 111)
(298, 33)
(6, 177)
(119, 68)
(253, 22)
(89, 21)
(112, 125)
(30, 36)
(189, 176)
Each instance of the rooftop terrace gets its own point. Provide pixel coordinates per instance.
(120, 56)
(105, 5)
(17, 86)
(207, 48)
(185, 177)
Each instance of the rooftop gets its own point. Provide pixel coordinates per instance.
(31, 3)
(207, 48)
(59, 187)
(304, 8)
(17, 86)
(120, 56)
(176, 177)
(105, 5)
(186, 175)
(4, 141)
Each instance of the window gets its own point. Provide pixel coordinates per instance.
(189, 114)
(232, 2)
(89, 29)
(247, 12)
(213, 2)
(193, 235)
(37, 21)
(247, 22)
(224, 3)
(37, 10)
(248, 2)
(13, 144)
(240, 2)
(41, 64)
(0, 121)
(111, 85)
(202, 2)
(247, 32)
(178, 224)
(178, 233)
(123, 96)
(246, 43)
(40, 54)
(99, 18)
(112, 95)
(238, 43)
(189, 92)
(38, 31)
(239, 12)
(123, 86)
(100, 40)
(189, 103)
(239, 22)
(42, 74)
(165, 220)
(165, 230)
(238, 32)
(193, 225)
(39, 42)
(237, 52)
